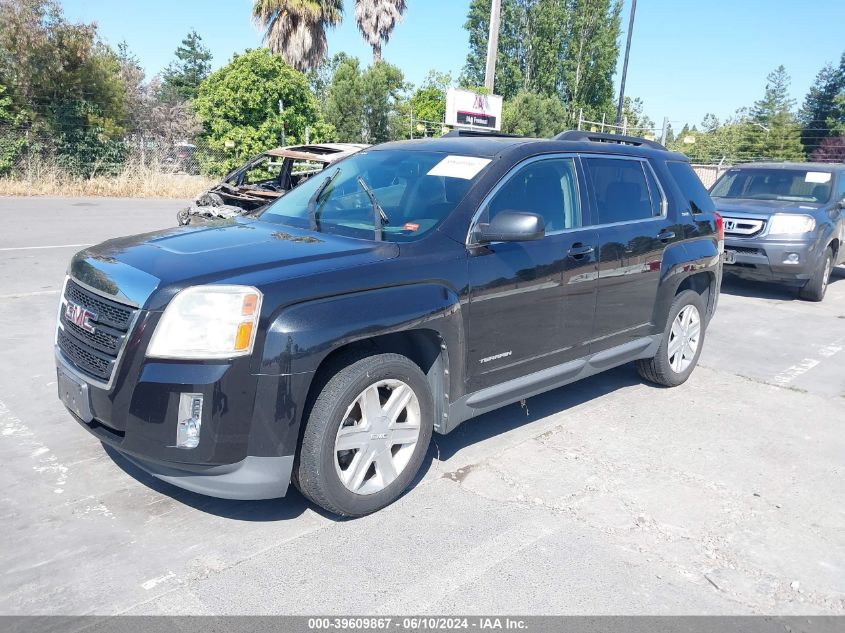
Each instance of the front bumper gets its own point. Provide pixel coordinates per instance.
(252, 478)
(768, 260)
(245, 451)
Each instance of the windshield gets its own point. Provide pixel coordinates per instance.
(787, 185)
(416, 190)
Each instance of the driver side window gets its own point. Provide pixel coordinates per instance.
(548, 188)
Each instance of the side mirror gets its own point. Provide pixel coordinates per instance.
(511, 226)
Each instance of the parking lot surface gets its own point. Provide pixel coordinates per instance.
(610, 496)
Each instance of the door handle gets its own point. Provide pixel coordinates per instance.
(578, 250)
(665, 236)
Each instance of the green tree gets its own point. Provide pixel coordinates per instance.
(376, 21)
(64, 83)
(239, 109)
(566, 48)
(296, 29)
(428, 102)
(181, 79)
(12, 143)
(345, 101)
(824, 106)
(320, 77)
(382, 87)
(773, 130)
(511, 53)
(530, 114)
(591, 55)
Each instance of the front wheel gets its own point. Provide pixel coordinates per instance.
(682, 342)
(366, 436)
(816, 288)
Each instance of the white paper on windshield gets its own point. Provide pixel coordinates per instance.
(817, 176)
(466, 167)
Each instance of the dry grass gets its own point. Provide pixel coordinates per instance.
(134, 182)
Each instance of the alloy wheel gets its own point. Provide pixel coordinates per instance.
(377, 437)
(684, 339)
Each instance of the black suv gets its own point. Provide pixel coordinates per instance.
(402, 291)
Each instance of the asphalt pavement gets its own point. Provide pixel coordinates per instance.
(610, 496)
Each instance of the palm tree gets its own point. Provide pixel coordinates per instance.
(296, 29)
(376, 20)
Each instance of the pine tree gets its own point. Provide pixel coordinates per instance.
(822, 110)
(181, 79)
(772, 130)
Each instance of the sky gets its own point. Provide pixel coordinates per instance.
(688, 57)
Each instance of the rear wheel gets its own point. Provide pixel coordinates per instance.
(366, 436)
(683, 340)
(816, 288)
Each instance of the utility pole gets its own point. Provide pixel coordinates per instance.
(282, 115)
(625, 65)
(493, 45)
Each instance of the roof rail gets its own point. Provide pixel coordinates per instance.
(469, 133)
(603, 137)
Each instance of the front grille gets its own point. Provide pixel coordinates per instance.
(94, 352)
(741, 227)
(748, 250)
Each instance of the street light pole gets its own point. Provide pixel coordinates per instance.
(493, 45)
(625, 65)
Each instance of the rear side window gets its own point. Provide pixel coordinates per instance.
(621, 190)
(691, 187)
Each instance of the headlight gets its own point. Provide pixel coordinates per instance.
(788, 224)
(208, 322)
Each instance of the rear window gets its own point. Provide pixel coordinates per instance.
(691, 187)
(621, 190)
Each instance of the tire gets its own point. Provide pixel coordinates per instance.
(385, 466)
(815, 289)
(661, 369)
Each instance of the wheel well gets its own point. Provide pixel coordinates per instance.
(702, 283)
(424, 347)
(834, 244)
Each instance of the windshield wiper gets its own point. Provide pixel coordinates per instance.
(379, 216)
(313, 223)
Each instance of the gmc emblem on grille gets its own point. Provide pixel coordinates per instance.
(80, 317)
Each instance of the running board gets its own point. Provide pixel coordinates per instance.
(544, 380)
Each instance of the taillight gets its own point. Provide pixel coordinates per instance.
(720, 231)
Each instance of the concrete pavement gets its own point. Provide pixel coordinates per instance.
(609, 496)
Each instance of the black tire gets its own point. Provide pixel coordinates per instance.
(658, 369)
(815, 289)
(315, 474)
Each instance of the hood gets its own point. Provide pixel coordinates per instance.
(762, 207)
(132, 268)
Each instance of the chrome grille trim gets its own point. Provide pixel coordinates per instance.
(94, 356)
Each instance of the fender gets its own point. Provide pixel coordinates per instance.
(301, 336)
(681, 261)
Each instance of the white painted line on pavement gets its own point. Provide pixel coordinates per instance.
(39, 293)
(157, 581)
(787, 376)
(32, 248)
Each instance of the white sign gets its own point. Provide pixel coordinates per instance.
(466, 167)
(473, 110)
(817, 176)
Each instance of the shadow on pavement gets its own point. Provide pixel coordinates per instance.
(770, 290)
(442, 448)
(290, 507)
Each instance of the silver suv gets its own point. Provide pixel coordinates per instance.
(784, 222)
